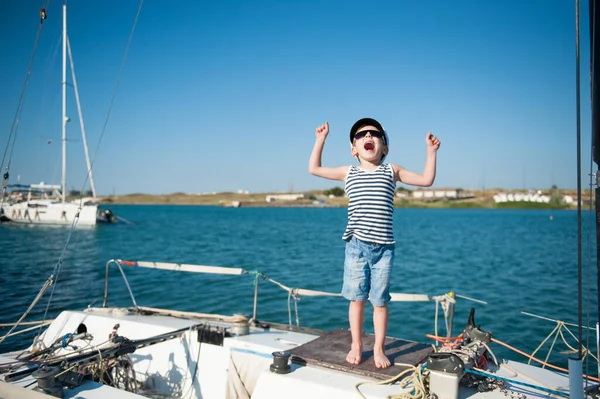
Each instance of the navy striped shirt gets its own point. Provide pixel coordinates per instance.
(371, 206)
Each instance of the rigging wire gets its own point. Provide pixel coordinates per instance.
(114, 93)
(590, 227)
(589, 254)
(59, 263)
(592, 22)
(14, 128)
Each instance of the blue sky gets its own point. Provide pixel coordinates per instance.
(226, 95)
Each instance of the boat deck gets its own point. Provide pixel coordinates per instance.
(330, 351)
(240, 366)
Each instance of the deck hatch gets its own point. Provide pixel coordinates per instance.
(330, 351)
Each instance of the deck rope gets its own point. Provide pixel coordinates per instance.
(47, 284)
(541, 361)
(417, 379)
(548, 390)
(557, 331)
(11, 334)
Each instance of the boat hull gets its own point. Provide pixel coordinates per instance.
(197, 364)
(50, 213)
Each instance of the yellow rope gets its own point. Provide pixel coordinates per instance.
(558, 330)
(551, 347)
(417, 379)
(543, 342)
(584, 348)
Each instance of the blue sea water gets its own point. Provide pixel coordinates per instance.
(515, 260)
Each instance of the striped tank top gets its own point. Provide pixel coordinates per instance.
(371, 204)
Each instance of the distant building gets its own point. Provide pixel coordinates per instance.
(453, 193)
(284, 197)
(531, 196)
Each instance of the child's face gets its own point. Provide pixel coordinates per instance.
(369, 147)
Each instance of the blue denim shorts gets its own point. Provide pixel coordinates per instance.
(367, 270)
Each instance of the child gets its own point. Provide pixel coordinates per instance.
(369, 235)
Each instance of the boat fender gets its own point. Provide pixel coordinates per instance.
(280, 362)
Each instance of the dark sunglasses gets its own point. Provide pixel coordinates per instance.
(374, 133)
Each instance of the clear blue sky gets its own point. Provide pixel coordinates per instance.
(226, 95)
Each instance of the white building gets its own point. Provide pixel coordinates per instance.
(438, 193)
(531, 196)
(284, 197)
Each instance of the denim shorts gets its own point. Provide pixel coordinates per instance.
(367, 269)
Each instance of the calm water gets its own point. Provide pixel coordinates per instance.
(515, 260)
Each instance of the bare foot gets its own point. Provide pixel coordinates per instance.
(381, 360)
(355, 355)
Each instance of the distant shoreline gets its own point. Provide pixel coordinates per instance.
(316, 199)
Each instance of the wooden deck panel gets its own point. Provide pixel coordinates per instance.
(330, 351)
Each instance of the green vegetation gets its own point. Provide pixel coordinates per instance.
(334, 197)
(556, 201)
(404, 203)
(335, 191)
(532, 205)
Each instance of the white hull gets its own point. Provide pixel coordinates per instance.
(50, 213)
(144, 352)
(237, 368)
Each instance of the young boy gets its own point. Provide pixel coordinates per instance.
(369, 234)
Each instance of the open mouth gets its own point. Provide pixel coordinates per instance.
(369, 146)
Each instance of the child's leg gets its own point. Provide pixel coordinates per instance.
(356, 315)
(380, 323)
(356, 290)
(380, 296)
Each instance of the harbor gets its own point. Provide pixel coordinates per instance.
(188, 251)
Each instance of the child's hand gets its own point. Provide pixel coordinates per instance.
(432, 141)
(322, 131)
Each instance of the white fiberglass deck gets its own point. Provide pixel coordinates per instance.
(239, 368)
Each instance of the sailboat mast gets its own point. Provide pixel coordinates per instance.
(85, 146)
(64, 107)
(595, 94)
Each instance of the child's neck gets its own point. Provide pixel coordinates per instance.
(370, 166)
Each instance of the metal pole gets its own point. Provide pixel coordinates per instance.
(595, 90)
(64, 107)
(450, 316)
(575, 377)
(254, 312)
(597, 347)
(579, 244)
(85, 146)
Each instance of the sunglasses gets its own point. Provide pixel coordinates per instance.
(374, 133)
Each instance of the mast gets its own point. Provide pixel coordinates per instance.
(64, 107)
(85, 146)
(595, 97)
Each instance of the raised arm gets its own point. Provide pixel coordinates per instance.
(314, 163)
(427, 178)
